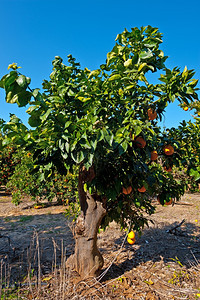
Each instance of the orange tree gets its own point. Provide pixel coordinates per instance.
(23, 182)
(188, 138)
(18, 173)
(7, 160)
(105, 122)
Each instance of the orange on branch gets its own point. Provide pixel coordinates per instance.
(152, 114)
(142, 189)
(130, 241)
(140, 142)
(154, 155)
(168, 150)
(131, 235)
(185, 108)
(169, 202)
(168, 169)
(127, 191)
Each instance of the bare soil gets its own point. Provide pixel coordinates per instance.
(164, 263)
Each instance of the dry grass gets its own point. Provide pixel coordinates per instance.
(148, 280)
(159, 266)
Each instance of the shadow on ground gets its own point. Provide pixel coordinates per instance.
(158, 244)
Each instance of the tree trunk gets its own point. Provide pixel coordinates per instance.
(87, 260)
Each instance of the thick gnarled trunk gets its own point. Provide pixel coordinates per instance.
(87, 260)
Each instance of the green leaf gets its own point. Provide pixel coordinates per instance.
(115, 77)
(194, 173)
(150, 44)
(128, 63)
(123, 147)
(10, 79)
(109, 138)
(110, 56)
(22, 98)
(137, 130)
(45, 115)
(145, 54)
(34, 120)
(142, 66)
(67, 146)
(23, 81)
(93, 144)
(78, 157)
(2, 81)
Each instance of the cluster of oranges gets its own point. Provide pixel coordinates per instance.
(141, 143)
(131, 238)
(168, 150)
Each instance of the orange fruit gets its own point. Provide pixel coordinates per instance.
(166, 203)
(127, 191)
(185, 108)
(168, 150)
(142, 189)
(152, 114)
(167, 169)
(140, 142)
(130, 241)
(38, 206)
(154, 155)
(169, 202)
(131, 235)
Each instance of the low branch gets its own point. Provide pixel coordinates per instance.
(173, 229)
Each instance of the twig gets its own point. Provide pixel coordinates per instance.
(173, 229)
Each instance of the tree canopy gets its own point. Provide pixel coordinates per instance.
(93, 119)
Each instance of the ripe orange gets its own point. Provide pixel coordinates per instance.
(152, 114)
(154, 155)
(168, 150)
(169, 202)
(142, 189)
(140, 142)
(131, 235)
(130, 241)
(166, 203)
(127, 191)
(168, 169)
(185, 108)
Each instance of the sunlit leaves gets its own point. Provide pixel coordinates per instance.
(93, 118)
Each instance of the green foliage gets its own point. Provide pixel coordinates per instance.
(25, 182)
(188, 160)
(7, 164)
(90, 119)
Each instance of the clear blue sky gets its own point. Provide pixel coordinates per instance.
(33, 32)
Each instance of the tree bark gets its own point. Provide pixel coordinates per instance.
(87, 260)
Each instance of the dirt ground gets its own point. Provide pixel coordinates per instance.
(164, 263)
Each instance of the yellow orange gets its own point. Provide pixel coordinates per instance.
(152, 114)
(130, 241)
(168, 150)
(131, 235)
(185, 108)
(38, 206)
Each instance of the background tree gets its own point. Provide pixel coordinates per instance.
(105, 122)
